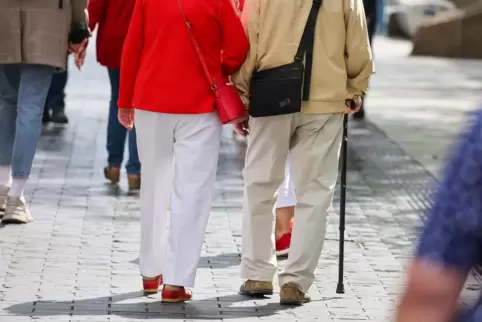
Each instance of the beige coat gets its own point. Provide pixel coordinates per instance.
(342, 62)
(36, 31)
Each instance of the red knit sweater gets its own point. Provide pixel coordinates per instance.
(160, 71)
(112, 18)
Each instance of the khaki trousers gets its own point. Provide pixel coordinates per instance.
(314, 141)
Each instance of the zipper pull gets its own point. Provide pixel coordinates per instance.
(61, 4)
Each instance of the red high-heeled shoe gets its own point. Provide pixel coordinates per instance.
(151, 286)
(177, 295)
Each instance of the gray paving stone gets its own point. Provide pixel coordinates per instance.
(78, 261)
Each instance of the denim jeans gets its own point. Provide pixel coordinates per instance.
(56, 95)
(117, 134)
(23, 91)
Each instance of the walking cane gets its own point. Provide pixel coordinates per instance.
(340, 288)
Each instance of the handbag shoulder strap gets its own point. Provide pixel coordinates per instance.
(195, 45)
(306, 46)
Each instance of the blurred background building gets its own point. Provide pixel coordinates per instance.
(443, 28)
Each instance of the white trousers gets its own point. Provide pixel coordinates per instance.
(286, 196)
(179, 156)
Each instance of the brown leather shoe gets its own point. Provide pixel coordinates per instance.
(112, 174)
(290, 294)
(134, 182)
(256, 288)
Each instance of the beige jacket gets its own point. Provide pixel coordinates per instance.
(36, 31)
(342, 62)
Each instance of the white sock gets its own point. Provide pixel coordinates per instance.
(5, 176)
(18, 185)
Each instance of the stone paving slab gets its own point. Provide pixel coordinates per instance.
(78, 261)
(422, 103)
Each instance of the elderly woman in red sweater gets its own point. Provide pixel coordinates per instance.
(164, 91)
(112, 18)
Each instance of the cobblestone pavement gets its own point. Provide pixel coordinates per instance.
(78, 261)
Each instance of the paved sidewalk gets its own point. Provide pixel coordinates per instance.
(78, 261)
(422, 103)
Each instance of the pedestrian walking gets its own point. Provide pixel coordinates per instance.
(112, 18)
(333, 44)
(371, 9)
(35, 40)
(55, 104)
(165, 92)
(450, 243)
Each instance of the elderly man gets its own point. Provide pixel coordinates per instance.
(34, 38)
(341, 64)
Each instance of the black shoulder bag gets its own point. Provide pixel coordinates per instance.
(280, 90)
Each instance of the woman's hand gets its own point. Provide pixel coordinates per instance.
(241, 128)
(126, 117)
(80, 55)
(75, 48)
(79, 51)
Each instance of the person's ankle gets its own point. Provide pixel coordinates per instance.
(17, 187)
(5, 176)
(280, 234)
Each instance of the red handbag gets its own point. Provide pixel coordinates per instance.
(229, 105)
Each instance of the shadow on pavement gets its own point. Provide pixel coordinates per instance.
(224, 260)
(222, 307)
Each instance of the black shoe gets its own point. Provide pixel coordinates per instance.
(46, 117)
(59, 117)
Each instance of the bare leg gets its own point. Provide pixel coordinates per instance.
(283, 219)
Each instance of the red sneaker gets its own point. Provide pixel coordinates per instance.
(176, 296)
(151, 286)
(283, 245)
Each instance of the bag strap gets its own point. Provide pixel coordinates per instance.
(306, 47)
(195, 45)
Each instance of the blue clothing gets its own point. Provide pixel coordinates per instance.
(452, 235)
(23, 91)
(117, 134)
(56, 95)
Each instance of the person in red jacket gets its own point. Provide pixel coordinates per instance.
(113, 18)
(163, 86)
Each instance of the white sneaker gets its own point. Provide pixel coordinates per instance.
(16, 211)
(3, 199)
